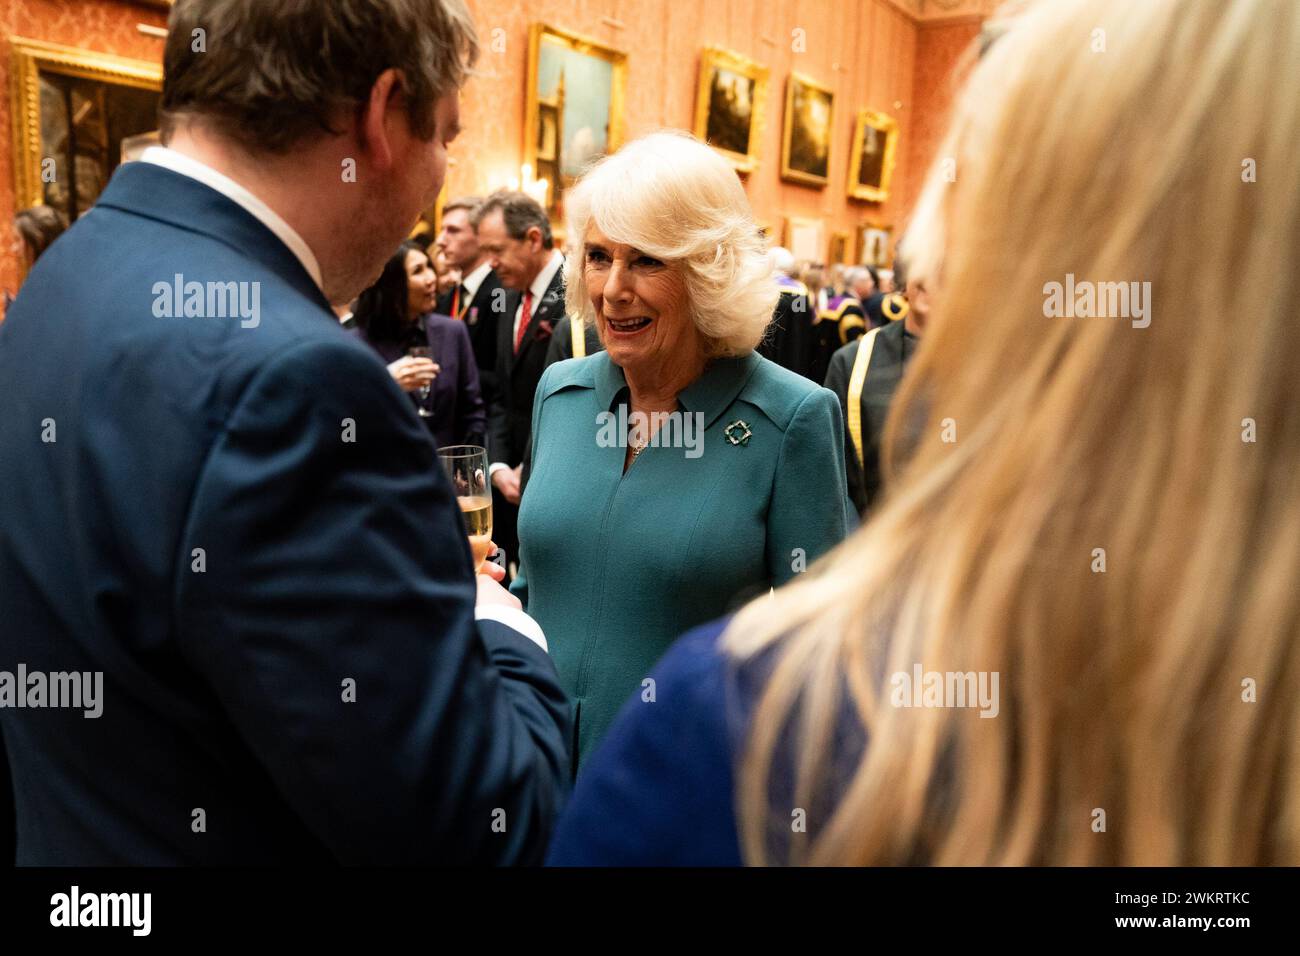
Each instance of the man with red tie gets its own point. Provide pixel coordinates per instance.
(515, 234)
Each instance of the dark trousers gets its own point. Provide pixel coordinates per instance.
(505, 533)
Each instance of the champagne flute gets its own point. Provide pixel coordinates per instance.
(424, 352)
(467, 467)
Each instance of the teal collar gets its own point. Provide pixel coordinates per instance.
(712, 393)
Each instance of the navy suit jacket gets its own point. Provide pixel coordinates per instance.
(510, 419)
(246, 531)
(658, 790)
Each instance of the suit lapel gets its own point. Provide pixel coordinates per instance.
(549, 310)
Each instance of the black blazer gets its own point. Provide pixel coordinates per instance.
(482, 319)
(245, 529)
(561, 346)
(511, 417)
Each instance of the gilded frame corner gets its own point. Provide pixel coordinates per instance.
(716, 57)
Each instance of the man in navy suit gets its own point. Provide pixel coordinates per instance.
(515, 232)
(220, 510)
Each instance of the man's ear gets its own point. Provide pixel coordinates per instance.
(379, 115)
(534, 238)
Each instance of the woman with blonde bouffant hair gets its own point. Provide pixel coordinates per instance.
(676, 472)
(1094, 540)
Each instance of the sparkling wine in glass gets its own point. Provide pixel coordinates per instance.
(467, 468)
(422, 351)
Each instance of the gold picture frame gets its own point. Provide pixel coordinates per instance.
(875, 245)
(570, 108)
(871, 164)
(807, 135)
(731, 106)
(805, 238)
(31, 59)
(838, 253)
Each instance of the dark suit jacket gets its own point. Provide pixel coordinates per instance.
(561, 346)
(459, 416)
(246, 531)
(894, 347)
(482, 319)
(788, 341)
(517, 375)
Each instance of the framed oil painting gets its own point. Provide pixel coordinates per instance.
(574, 107)
(806, 140)
(804, 237)
(77, 115)
(839, 253)
(875, 245)
(730, 105)
(871, 164)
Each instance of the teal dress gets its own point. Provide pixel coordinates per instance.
(615, 566)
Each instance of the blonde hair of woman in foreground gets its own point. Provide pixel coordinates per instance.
(1161, 691)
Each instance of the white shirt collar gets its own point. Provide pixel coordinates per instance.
(543, 280)
(188, 166)
(475, 279)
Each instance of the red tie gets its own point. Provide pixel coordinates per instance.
(523, 319)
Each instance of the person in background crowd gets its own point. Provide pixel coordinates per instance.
(865, 283)
(478, 299)
(844, 311)
(716, 474)
(885, 281)
(1051, 448)
(885, 307)
(824, 333)
(515, 234)
(242, 527)
(34, 230)
(395, 315)
(813, 276)
(788, 338)
(865, 374)
(448, 276)
(836, 286)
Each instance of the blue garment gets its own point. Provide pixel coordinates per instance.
(658, 791)
(614, 565)
(243, 527)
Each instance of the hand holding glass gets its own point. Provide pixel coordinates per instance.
(467, 468)
(424, 352)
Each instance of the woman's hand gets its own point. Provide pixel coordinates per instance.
(412, 373)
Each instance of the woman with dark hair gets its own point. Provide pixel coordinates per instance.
(35, 228)
(429, 355)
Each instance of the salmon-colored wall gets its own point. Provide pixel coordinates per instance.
(870, 41)
(106, 26)
(867, 51)
(940, 48)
